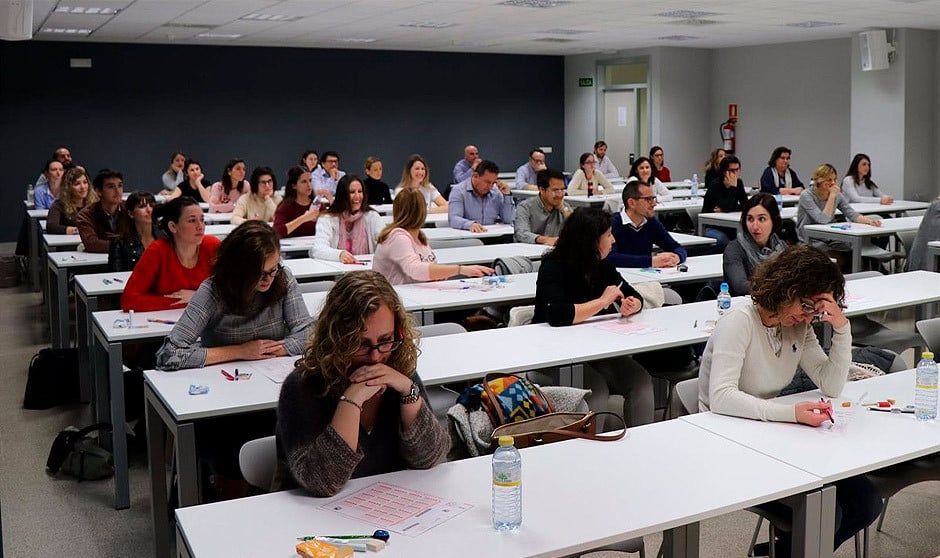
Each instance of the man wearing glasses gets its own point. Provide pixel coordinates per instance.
(636, 229)
(539, 220)
(525, 175)
(327, 176)
(726, 194)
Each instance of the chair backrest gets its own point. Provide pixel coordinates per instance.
(258, 461)
(448, 328)
(687, 390)
(930, 331)
(521, 315)
(454, 243)
(862, 275)
(513, 264)
(316, 286)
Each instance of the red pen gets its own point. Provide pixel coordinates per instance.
(228, 376)
(828, 411)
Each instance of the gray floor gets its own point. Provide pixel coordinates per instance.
(42, 515)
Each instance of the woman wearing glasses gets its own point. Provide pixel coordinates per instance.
(755, 350)
(250, 309)
(355, 406)
(259, 204)
(586, 176)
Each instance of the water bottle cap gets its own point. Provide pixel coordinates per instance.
(724, 286)
(926, 354)
(506, 440)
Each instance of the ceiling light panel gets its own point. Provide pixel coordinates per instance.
(534, 3)
(271, 17)
(687, 14)
(428, 24)
(812, 24)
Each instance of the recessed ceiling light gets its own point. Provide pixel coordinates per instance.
(678, 38)
(86, 11)
(270, 17)
(687, 14)
(356, 40)
(553, 40)
(218, 35)
(65, 31)
(564, 31)
(812, 24)
(693, 22)
(428, 24)
(534, 3)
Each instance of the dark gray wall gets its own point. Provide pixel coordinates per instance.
(140, 102)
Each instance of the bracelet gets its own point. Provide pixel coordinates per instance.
(412, 396)
(344, 399)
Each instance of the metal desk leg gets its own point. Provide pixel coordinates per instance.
(187, 465)
(119, 431)
(182, 551)
(156, 434)
(856, 254)
(54, 288)
(814, 518)
(681, 542)
(577, 376)
(34, 261)
(84, 306)
(99, 370)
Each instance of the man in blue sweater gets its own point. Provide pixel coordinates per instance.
(636, 230)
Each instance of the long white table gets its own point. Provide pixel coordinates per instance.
(58, 267)
(447, 233)
(859, 442)
(699, 269)
(662, 462)
(859, 236)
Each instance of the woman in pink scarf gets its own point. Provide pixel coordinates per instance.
(349, 227)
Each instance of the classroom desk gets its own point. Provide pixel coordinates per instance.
(700, 269)
(88, 289)
(687, 240)
(430, 220)
(663, 462)
(447, 233)
(933, 252)
(58, 267)
(859, 236)
(861, 440)
(731, 220)
(33, 217)
(216, 218)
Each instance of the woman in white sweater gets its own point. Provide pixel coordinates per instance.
(756, 348)
(349, 227)
(858, 187)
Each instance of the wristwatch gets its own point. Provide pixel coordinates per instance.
(412, 396)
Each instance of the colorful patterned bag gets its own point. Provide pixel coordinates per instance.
(508, 398)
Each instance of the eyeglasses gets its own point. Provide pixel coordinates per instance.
(268, 181)
(735, 169)
(273, 273)
(808, 308)
(647, 199)
(383, 347)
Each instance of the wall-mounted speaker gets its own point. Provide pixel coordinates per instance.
(16, 20)
(874, 49)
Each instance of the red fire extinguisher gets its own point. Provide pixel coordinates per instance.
(727, 129)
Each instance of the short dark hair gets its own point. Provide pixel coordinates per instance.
(256, 177)
(543, 177)
(727, 162)
(766, 201)
(579, 237)
(777, 153)
(341, 202)
(486, 166)
(45, 167)
(328, 154)
(238, 268)
(599, 143)
(534, 151)
(632, 190)
(796, 273)
(103, 175)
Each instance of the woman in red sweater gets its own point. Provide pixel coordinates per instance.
(297, 215)
(172, 268)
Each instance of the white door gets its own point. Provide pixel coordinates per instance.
(620, 127)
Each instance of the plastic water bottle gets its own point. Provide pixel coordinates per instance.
(30, 194)
(724, 300)
(925, 392)
(694, 185)
(779, 198)
(507, 486)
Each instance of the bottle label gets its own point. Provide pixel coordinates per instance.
(507, 479)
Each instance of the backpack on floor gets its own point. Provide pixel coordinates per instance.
(78, 455)
(52, 380)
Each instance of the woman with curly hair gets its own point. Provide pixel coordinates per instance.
(355, 406)
(755, 350)
(75, 194)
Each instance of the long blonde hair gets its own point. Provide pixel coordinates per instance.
(405, 181)
(354, 298)
(68, 198)
(409, 213)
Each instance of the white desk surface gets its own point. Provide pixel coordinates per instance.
(436, 219)
(447, 233)
(691, 239)
(865, 441)
(93, 283)
(37, 213)
(875, 294)
(654, 463)
(675, 205)
(888, 226)
(897, 206)
(217, 217)
(488, 253)
(700, 268)
(61, 240)
(734, 217)
(75, 259)
(439, 295)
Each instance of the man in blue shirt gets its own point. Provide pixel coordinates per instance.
(480, 200)
(465, 167)
(327, 176)
(525, 175)
(636, 229)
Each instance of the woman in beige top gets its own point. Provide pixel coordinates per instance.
(417, 176)
(586, 176)
(259, 203)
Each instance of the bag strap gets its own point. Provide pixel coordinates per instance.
(89, 429)
(491, 395)
(597, 437)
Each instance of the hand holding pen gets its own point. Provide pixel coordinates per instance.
(813, 413)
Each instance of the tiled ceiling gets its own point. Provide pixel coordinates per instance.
(555, 27)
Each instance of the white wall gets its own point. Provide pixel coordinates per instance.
(917, 50)
(794, 94)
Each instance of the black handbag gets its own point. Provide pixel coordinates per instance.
(52, 379)
(77, 454)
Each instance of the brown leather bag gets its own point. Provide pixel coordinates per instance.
(554, 427)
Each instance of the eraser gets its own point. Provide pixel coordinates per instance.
(846, 403)
(374, 545)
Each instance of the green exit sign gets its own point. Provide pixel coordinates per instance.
(586, 82)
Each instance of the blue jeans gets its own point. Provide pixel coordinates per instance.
(721, 239)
